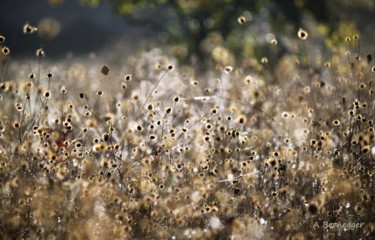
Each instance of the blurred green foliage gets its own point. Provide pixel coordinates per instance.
(196, 27)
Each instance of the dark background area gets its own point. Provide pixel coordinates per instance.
(83, 29)
(89, 29)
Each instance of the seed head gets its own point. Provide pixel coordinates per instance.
(5, 50)
(28, 29)
(128, 77)
(228, 69)
(19, 107)
(241, 20)
(16, 124)
(336, 122)
(105, 70)
(327, 64)
(40, 53)
(47, 94)
(176, 99)
(170, 67)
(63, 90)
(241, 119)
(168, 110)
(31, 75)
(49, 75)
(302, 34)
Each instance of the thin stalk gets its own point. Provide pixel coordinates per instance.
(155, 86)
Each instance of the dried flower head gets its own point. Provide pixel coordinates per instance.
(28, 29)
(170, 67)
(105, 70)
(168, 110)
(128, 77)
(336, 122)
(49, 74)
(16, 124)
(241, 20)
(47, 94)
(40, 53)
(228, 69)
(5, 50)
(264, 60)
(302, 34)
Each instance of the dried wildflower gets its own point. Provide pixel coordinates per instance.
(241, 119)
(16, 124)
(176, 99)
(228, 69)
(274, 41)
(302, 34)
(285, 115)
(336, 122)
(214, 110)
(19, 107)
(63, 90)
(40, 53)
(150, 107)
(170, 67)
(49, 75)
(5, 50)
(128, 77)
(2, 39)
(105, 70)
(31, 75)
(168, 110)
(28, 29)
(47, 94)
(241, 20)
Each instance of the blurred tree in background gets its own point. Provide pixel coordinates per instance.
(198, 27)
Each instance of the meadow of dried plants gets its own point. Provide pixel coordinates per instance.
(148, 148)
